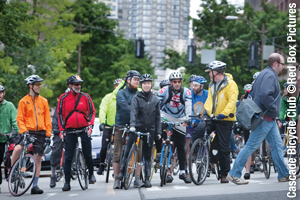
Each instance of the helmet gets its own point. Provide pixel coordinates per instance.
(175, 75)
(191, 78)
(286, 85)
(248, 87)
(32, 79)
(132, 73)
(255, 75)
(74, 79)
(2, 88)
(200, 79)
(146, 77)
(117, 81)
(216, 66)
(67, 90)
(164, 83)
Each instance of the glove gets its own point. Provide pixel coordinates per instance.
(220, 116)
(47, 141)
(132, 129)
(101, 127)
(158, 137)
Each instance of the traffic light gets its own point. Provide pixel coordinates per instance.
(139, 48)
(191, 54)
(253, 56)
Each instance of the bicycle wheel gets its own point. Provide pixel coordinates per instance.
(284, 144)
(21, 175)
(153, 156)
(109, 155)
(59, 174)
(82, 171)
(164, 167)
(266, 159)
(130, 166)
(176, 164)
(198, 162)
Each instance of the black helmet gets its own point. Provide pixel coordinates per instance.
(32, 79)
(2, 88)
(164, 83)
(191, 78)
(175, 75)
(74, 79)
(132, 73)
(216, 66)
(146, 77)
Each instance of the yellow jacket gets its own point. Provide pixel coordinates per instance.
(34, 116)
(225, 100)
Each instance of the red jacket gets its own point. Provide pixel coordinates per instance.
(82, 117)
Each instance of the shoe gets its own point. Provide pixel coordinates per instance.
(224, 179)
(117, 184)
(36, 190)
(234, 153)
(236, 180)
(251, 170)
(256, 168)
(137, 184)
(67, 187)
(287, 178)
(120, 176)
(169, 179)
(92, 179)
(157, 158)
(247, 175)
(188, 175)
(147, 184)
(52, 181)
(185, 178)
(100, 170)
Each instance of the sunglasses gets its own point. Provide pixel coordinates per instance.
(37, 84)
(76, 84)
(281, 63)
(177, 82)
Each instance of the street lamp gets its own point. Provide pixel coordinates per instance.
(263, 31)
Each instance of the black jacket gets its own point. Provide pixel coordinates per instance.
(55, 128)
(123, 99)
(145, 112)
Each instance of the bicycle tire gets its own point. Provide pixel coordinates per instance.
(284, 144)
(109, 159)
(176, 164)
(217, 170)
(153, 156)
(163, 174)
(82, 172)
(15, 178)
(266, 159)
(198, 162)
(59, 174)
(130, 166)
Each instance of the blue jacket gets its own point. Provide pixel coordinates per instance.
(266, 89)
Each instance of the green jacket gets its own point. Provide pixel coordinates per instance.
(8, 115)
(283, 109)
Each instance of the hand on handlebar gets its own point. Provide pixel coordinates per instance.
(132, 129)
(89, 130)
(62, 134)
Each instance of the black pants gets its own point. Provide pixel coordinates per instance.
(179, 142)
(70, 145)
(2, 149)
(223, 133)
(57, 151)
(105, 141)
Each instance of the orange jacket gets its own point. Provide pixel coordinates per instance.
(34, 116)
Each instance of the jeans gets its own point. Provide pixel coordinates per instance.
(269, 131)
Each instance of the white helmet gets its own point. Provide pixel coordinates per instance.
(175, 75)
(255, 75)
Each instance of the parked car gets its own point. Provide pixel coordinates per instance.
(96, 143)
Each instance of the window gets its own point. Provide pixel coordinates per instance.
(134, 24)
(185, 8)
(147, 1)
(162, 13)
(174, 25)
(147, 30)
(161, 1)
(175, 14)
(146, 36)
(146, 24)
(175, 7)
(134, 35)
(174, 19)
(160, 42)
(147, 6)
(134, 18)
(147, 48)
(113, 8)
(160, 48)
(133, 30)
(160, 30)
(146, 12)
(161, 36)
(177, 2)
(147, 42)
(159, 54)
(146, 18)
(174, 37)
(161, 25)
(159, 19)
(175, 31)
(161, 7)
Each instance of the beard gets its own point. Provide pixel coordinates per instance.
(76, 91)
(134, 86)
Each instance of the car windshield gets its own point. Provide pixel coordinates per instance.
(96, 131)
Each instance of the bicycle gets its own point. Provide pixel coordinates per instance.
(199, 159)
(130, 164)
(109, 154)
(153, 166)
(167, 153)
(9, 147)
(266, 158)
(23, 170)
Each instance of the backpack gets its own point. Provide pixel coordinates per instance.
(170, 96)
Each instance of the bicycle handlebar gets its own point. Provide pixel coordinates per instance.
(212, 117)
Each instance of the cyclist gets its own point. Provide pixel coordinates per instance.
(76, 111)
(123, 99)
(56, 152)
(177, 106)
(144, 117)
(221, 101)
(107, 114)
(8, 114)
(34, 118)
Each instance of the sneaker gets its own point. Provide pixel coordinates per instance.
(138, 184)
(117, 184)
(247, 175)
(185, 178)
(157, 158)
(52, 181)
(120, 176)
(236, 180)
(169, 179)
(147, 184)
(67, 187)
(92, 179)
(100, 170)
(224, 179)
(287, 178)
(36, 190)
